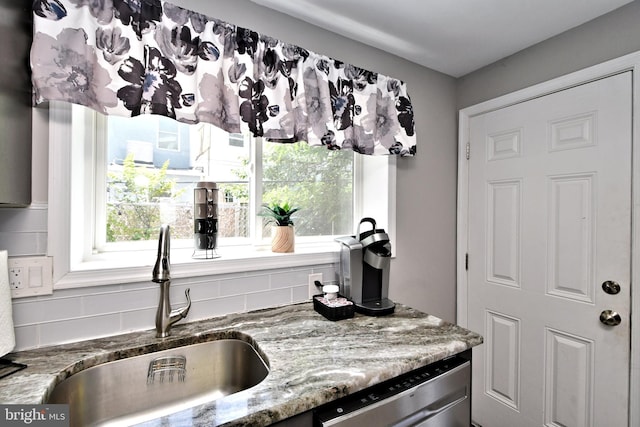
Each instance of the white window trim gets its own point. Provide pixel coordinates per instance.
(70, 232)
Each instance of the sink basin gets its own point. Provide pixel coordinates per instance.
(151, 385)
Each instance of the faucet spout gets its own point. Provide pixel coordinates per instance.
(165, 316)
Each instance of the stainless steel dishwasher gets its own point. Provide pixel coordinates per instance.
(435, 395)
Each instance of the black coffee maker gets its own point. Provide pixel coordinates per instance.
(365, 261)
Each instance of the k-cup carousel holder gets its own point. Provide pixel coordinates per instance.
(205, 220)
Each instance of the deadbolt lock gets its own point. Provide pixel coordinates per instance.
(611, 287)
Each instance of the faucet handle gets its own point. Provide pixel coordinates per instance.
(181, 313)
(187, 294)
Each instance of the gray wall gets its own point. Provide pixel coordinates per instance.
(607, 37)
(423, 272)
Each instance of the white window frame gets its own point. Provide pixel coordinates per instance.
(70, 224)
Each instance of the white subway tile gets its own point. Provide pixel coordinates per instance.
(116, 302)
(82, 328)
(137, 286)
(216, 307)
(329, 273)
(290, 278)
(24, 243)
(27, 313)
(138, 320)
(23, 220)
(267, 299)
(26, 337)
(42, 310)
(300, 293)
(244, 285)
(204, 290)
(83, 313)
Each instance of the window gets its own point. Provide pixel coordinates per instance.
(146, 190)
(134, 183)
(143, 195)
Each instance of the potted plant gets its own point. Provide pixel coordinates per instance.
(283, 235)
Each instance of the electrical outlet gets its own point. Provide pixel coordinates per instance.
(313, 289)
(16, 278)
(30, 276)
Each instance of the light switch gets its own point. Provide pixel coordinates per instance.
(35, 276)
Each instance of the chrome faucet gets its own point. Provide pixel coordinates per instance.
(165, 316)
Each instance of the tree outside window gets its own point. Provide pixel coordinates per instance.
(314, 179)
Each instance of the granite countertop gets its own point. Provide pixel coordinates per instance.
(312, 360)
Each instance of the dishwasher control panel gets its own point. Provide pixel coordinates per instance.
(398, 392)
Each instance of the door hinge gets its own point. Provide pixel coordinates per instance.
(466, 262)
(468, 150)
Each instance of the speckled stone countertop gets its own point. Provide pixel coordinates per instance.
(312, 360)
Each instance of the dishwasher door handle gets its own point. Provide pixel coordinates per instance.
(443, 400)
(422, 417)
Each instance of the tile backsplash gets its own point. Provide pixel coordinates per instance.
(83, 313)
(23, 231)
(77, 314)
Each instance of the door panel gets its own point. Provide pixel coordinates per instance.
(503, 357)
(503, 237)
(569, 374)
(571, 237)
(549, 222)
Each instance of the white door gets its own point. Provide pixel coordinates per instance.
(550, 223)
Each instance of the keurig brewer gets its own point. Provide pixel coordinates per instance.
(365, 260)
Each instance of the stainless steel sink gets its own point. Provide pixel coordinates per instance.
(148, 386)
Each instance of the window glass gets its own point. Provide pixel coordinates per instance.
(153, 164)
(317, 181)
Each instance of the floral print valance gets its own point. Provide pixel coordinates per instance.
(132, 57)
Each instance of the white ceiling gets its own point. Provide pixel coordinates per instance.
(451, 36)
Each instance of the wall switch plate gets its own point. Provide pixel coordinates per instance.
(30, 276)
(313, 289)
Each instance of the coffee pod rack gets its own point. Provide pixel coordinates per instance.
(205, 220)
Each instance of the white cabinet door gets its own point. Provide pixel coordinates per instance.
(549, 223)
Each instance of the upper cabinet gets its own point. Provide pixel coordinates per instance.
(15, 103)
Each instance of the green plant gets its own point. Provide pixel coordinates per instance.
(278, 214)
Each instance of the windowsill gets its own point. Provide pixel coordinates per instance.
(136, 266)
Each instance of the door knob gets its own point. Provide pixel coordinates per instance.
(611, 287)
(610, 318)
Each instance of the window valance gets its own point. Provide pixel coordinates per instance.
(132, 57)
